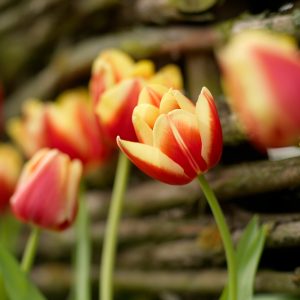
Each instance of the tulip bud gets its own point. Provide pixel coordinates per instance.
(10, 168)
(177, 140)
(29, 131)
(261, 74)
(46, 194)
(72, 128)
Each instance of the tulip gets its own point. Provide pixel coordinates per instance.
(261, 74)
(72, 128)
(113, 65)
(177, 140)
(29, 131)
(46, 193)
(10, 168)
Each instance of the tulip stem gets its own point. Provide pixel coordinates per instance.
(225, 235)
(30, 250)
(83, 251)
(111, 231)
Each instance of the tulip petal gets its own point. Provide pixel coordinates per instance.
(154, 163)
(209, 127)
(118, 61)
(152, 94)
(143, 68)
(71, 182)
(115, 109)
(172, 100)
(176, 134)
(169, 76)
(143, 119)
(29, 131)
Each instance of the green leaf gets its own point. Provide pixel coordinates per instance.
(17, 284)
(249, 250)
(9, 230)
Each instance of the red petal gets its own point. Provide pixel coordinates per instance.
(177, 135)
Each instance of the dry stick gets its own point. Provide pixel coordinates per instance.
(57, 278)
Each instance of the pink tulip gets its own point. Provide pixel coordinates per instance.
(47, 191)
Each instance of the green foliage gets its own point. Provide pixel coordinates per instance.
(275, 297)
(248, 253)
(17, 284)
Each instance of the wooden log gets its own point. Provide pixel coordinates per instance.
(229, 183)
(75, 61)
(58, 278)
(198, 238)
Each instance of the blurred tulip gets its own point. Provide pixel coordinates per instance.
(71, 127)
(115, 86)
(112, 66)
(46, 194)
(115, 110)
(177, 140)
(10, 168)
(261, 74)
(29, 131)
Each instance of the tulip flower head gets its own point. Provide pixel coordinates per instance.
(113, 65)
(261, 75)
(10, 168)
(29, 131)
(46, 194)
(177, 140)
(72, 128)
(115, 86)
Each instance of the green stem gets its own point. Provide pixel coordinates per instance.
(30, 250)
(83, 252)
(225, 235)
(110, 238)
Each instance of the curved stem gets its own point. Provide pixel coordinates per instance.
(111, 231)
(83, 251)
(30, 250)
(225, 235)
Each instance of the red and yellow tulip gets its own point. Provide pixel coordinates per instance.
(71, 127)
(113, 65)
(46, 194)
(177, 139)
(29, 131)
(115, 86)
(10, 169)
(261, 74)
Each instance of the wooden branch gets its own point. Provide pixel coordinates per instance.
(74, 62)
(197, 239)
(229, 183)
(289, 23)
(58, 278)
